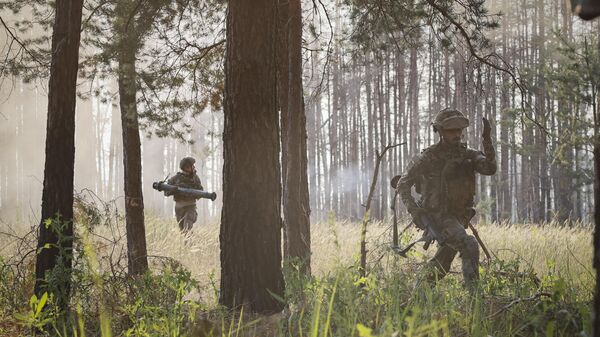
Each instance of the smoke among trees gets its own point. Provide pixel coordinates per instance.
(365, 88)
(296, 113)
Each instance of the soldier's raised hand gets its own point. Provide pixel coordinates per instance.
(487, 129)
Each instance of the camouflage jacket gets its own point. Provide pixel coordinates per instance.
(444, 176)
(185, 180)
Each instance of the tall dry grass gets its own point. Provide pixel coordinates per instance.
(337, 301)
(561, 249)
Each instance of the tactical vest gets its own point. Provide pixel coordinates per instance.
(185, 181)
(448, 184)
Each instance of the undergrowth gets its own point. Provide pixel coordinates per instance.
(512, 298)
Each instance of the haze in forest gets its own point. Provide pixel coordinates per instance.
(356, 103)
(315, 124)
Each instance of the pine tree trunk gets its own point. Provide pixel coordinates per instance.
(283, 79)
(596, 263)
(250, 235)
(312, 140)
(296, 208)
(114, 151)
(57, 195)
(504, 179)
(132, 157)
(413, 105)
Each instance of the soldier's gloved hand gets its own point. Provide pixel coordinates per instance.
(487, 130)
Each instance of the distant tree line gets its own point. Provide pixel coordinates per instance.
(364, 90)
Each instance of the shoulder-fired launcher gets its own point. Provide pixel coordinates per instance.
(161, 186)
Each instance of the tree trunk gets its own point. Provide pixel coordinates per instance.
(57, 195)
(283, 78)
(115, 144)
(313, 142)
(596, 321)
(296, 208)
(250, 235)
(132, 158)
(596, 263)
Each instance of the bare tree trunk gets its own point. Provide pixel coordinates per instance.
(57, 196)
(413, 103)
(504, 179)
(313, 141)
(366, 218)
(334, 137)
(596, 263)
(283, 80)
(250, 235)
(115, 150)
(296, 208)
(132, 157)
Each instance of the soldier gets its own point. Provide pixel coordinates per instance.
(185, 207)
(444, 175)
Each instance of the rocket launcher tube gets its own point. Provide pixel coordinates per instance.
(161, 186)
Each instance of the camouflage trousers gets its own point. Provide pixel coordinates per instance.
(186, 216)
(454, 239)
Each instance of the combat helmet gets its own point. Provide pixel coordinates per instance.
(186, 161)
(450, 119)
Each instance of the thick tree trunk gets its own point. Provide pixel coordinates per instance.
(250, 235)
(296, 208)
(283, 78)
(57, 196)
(132, 159)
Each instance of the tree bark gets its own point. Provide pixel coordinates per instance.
(57, 195)
(115, 145)
(596, 263)
(132, 158)
(504, 184)
(296, 207)
(250, 235)
(283, 78)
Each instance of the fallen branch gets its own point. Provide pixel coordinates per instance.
(478, 238)
(363, 233)
(517, 301)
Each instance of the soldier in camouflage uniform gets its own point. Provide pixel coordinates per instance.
(185, 207)
(444, 175)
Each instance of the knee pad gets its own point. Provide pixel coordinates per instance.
(472, 246)
(470, 259)
(468, 247)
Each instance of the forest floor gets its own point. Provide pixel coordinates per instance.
(539, 283)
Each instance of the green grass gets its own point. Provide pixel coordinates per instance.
(540, 283)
